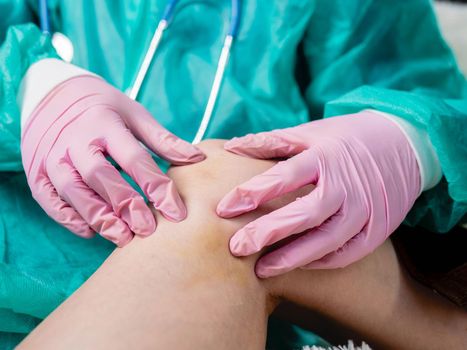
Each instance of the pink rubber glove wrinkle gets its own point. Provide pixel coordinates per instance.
(366, 176)
(64, 148)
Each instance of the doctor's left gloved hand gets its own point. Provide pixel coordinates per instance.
(65, 145)
(366, 176)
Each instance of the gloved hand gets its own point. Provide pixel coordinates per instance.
(366, 176)
(64, 148)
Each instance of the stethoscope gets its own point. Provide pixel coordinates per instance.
(64, 48)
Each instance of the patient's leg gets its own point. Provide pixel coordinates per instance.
(376, 298)
(181, 288)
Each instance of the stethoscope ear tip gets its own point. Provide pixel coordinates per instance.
(63, 46)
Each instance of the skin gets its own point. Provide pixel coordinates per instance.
(181, 288)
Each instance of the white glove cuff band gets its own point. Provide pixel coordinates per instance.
(428, 162)
(41, 78)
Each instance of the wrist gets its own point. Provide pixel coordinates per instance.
(40, 79)
(427, 159)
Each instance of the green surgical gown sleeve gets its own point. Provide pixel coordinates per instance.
(389, 55)
(22, 44)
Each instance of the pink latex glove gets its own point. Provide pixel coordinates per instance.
(366, 176)
(64, 148)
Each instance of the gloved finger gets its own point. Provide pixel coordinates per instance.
(92, 208)
(102, 177)
(45, 194)
(137, 163)
(158, 139)
(353, 250)
(301, 215)
(312, 246)
(265, 145)
(282, 178)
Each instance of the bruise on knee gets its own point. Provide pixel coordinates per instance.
(202, 185)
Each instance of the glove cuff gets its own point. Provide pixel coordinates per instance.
(428, 162)
(40, 79)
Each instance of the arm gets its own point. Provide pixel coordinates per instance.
(181, 288)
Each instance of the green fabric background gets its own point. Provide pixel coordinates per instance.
(293, 61)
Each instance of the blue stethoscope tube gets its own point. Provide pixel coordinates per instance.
(157, 37)
(221, 64)
(235, 18)
(44, 16)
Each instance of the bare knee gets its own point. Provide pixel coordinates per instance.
(202, 185)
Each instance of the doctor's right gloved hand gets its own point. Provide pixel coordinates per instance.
(65, 141)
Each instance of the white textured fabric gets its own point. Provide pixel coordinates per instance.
(428, 162)
(350, 346)
(41, 78)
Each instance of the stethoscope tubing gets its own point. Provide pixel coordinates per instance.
(221, 64)
(44, 20)
(152, 49)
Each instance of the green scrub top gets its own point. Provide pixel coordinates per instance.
(293, 61)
